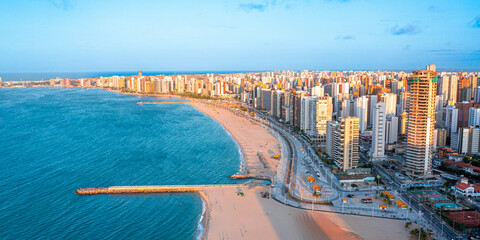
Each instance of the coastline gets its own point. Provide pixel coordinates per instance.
(202, 228)
(242, 165)
(253, 139)
(225, 214)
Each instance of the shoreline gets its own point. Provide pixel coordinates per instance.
(202, 228)
(227, 214)
(242, 165)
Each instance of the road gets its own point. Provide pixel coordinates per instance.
(286, 189)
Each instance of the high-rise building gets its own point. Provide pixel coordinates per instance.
(361, 112)
(373, 101)
(452, 89)
(378, 138)
(391, 128)
(402, 126)
(266, 99)
(331, 128)
(391, 100)
(348, 108)
(463, 112)
(474, 117)
(476, 95)
(422, 89)
(297, 108)
(441, 136)
(346, 143)
(443, 85)
(451, 119)
(463, 139)
(323, 112)
(474, 141)
(308, 116)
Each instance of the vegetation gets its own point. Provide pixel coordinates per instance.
(407, 225)
(457, 171)
(195, 95)
(414, 233)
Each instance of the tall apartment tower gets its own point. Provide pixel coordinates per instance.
(346, 143)
(331, 129)
(324, 111)
(422, 89)
(378, 140)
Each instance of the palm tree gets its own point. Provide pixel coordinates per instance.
(407, 225)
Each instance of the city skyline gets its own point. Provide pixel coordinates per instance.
(82, 36)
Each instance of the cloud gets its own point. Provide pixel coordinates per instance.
(442, 50)
(253, 7)
(62, 4)
(446, 52)
(264, 5)
(345, 37)
(434, 8)
(476, 22)
(408, 29)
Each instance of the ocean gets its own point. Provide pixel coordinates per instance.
(56, 140)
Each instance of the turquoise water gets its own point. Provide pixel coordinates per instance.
(54, 141)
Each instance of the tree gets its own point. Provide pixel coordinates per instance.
(423, 234)
(354, 185)
(414, 232)
(407, 225)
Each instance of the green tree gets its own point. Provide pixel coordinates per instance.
(407, 225)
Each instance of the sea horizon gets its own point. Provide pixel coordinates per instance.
(39, 76)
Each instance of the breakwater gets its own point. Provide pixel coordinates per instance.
(151, 189)
(142, 103)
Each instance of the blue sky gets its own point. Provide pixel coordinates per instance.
(120, 35)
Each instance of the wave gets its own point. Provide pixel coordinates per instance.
(201, 223)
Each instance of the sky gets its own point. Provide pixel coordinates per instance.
(243, 35)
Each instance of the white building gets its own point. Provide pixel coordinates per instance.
(451, 119)
(474, 117)
(391, 100)
(467, 189)
(308, 116)
(373, 101)
(378, 140)
(463, 139)
(361, 112)
(391, 129)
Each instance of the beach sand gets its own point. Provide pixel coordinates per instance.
(231, 216)
(252, 138)
(253, 217)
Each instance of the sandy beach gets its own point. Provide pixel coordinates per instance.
(253, 217)
(253, 139)
(231, 216)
